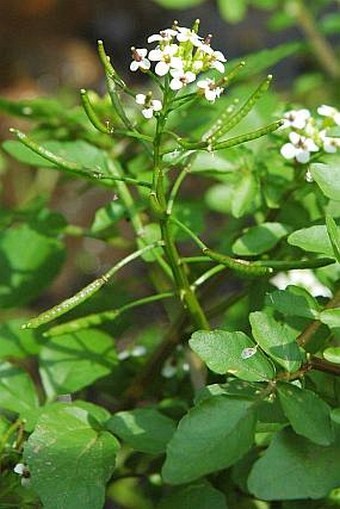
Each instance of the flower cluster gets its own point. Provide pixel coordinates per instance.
(24, 473)
(181, 54)
(308, 134)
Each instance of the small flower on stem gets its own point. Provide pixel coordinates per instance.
(329, 144)
(299, 148)
(22, 470)
(329, 112)
(139, 60)
(151, 105)
(181, 78)
(166, 59)
(210, 89)
(296, 119)
(163, 36)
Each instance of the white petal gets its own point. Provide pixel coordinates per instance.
(176, 63)
(154, 38)
(190, 76)
(288, 151)
(197, 65)
(336, 118)
(171, 49)
(145, 64)
(140, 98)
(134, 66)
(20, 468)
(218, 66)
(294, 137)
(203, 83)
(310, 145)
(142, 52)
(326, 111)
(25, 481)
(330, 148)
(219, 56)
(176, 84)
(302, 156)
(147, 113)
(162, 69)
(155, 55)
(210, 95)
(156, 105)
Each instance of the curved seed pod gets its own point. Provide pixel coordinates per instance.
(91, 114)
(242, 266)
(66, 305)
(243, 111)
(243, 138)
(277, 265)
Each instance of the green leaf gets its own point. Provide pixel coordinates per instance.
(192, 215)
(232, 10)
(334, 236)
(294, 301)
(223, 352)
(73, 361)
(259, 239)
(37, 108)
(219, 197)
(212, 436)
(16, 342)
(332, 354)
(328, 179)
(314, 239)
(308, 414)
(29, 261)
(70, 462)
(201, 495)
(330, 317)
(277, 340)
(144, 429)
(243, 195)
(261, 60)
(295, 468)
(17, 391)
(106, 217)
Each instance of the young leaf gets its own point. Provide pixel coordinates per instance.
(259, 239)
(308, 414)
(15, 342)
(314, 239)
(201, 495)
(334, 236)
(276, 340)
(106, 217)
(144, 429)
(332, 354)
(295, 468)
(294, 301)
(243, 195)
(69, 461)
(28, 263)
(73, 361)
(213, 435)
(17, 391)
(327, 177)
(330, 317)
(224, 352)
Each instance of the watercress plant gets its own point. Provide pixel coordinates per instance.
(233, 402)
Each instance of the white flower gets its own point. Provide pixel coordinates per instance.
(211, 91)
(138, 351)
(187, 35)
(329, 112)
(163, 36)
(296, 119)
(139, 59)
(299, 148)
(329, 144)
(180, 79)
(22, 470)
(151, 105)
(166, 59)
(301, 277)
